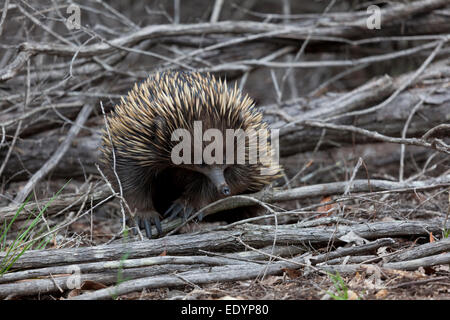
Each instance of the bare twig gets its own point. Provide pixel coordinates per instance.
(443, 258)
(53, 161)
(378, 136)
(4, 13)
(216, 11)
(404, 85)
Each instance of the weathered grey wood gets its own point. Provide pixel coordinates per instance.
(96, 194)
(30, 154)
(244, 257)
(227, 273)
(347, 29)
(421, 251)
(56, 156)
(106, 272)
(388, 121)
(215, 274)
(351, 260)
(253, 235)
(359, 185)
(342, 252)
(106, 277)
(116, 265)
(430, 261)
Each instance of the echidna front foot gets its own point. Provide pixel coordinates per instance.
(179, 208)
(145, 221)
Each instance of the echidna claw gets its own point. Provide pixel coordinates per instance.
(178, 209)
(146, 224)
(148, 228)
(188, 212)
(173, 210)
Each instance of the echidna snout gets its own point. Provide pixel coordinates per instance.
(215, 173)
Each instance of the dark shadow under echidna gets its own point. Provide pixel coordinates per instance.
(139, 140)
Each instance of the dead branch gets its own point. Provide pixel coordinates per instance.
(54, 159)
(253, 235)
(443, 258)
(428, 249)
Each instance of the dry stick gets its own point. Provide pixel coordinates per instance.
(440, 129)
(405, 85)
(253, 235)
(57, 93)
(291, 79)
(388, 13)
(69, 280)
(156, 31)
(378, 87)
(255, 201)
(59, 205)
(241, 258)
(355, 171)
(421, 251)
(134, 50)
(84, 67)
(53, 161)
(321, 88)
(304, 44)
(3, 137)
(161, 30)
(292, 31)
(216, 11)
(130, 270)
(119, 183)
(215, 274)
(153, 31)
(248, 200)
(36, 286)
(242, 64)
(221, 273)
(11, 147)
(355, 250)
(14, 67)
(4, 13)
(405, 129)
(294, 214)
(326, 189)
(430, 261)
(417, 283)
(352, 260)
(47, 29)
(447, 215)
(19, 126)
(261, 254)
(176, 11)
(119, 15)
(119, 264)
(377, 136)
(232, 42)
(65, 224)
(39, 110)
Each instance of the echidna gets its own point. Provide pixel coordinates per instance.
(141, 140)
